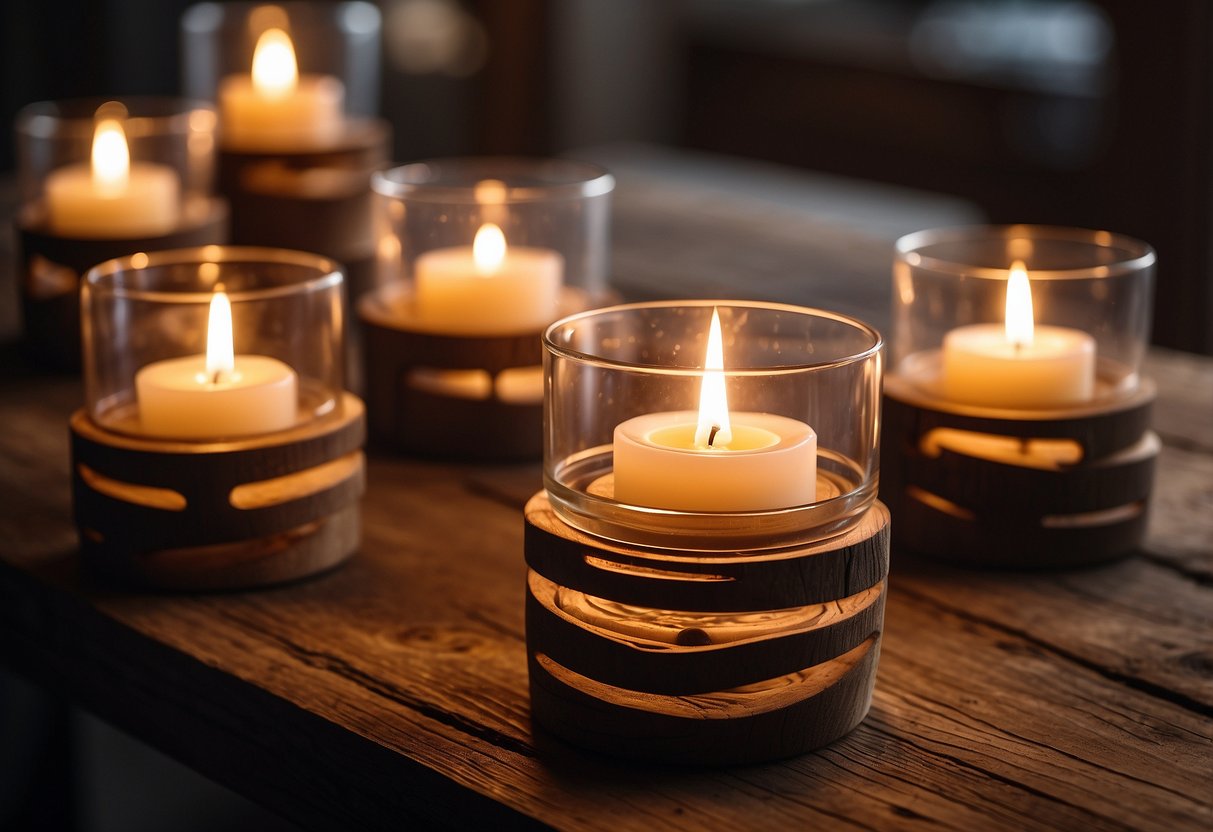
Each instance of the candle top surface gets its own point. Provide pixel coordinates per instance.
(753, 433)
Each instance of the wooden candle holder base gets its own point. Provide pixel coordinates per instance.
(52, 266)
(219, 515)
(414, 407)
(1017, 491)
(310, 200)
(701, 658)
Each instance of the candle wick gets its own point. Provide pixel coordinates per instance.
(712, 434)
(216, 377)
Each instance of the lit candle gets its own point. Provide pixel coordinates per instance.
(275, 108)
(487, 288)
(217, 395)
(111, 197)
(1017, 364)
(713, 460)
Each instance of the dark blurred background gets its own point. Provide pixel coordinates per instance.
(1093, 113)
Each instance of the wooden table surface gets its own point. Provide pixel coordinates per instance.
(392, 692)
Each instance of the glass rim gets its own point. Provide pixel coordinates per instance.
(328, 272)
(148, 115)
(201, 17)
(594, 181)
(866, 354)
(1141, 255)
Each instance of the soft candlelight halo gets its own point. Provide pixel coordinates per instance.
(611, 365)
(153, 309)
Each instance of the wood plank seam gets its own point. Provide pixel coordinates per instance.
(1173, 697)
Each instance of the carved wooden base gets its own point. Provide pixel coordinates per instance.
(1017, 491)
(52, 266)
(414, 406)
(318, 200)
(702, 658)
(219, 515)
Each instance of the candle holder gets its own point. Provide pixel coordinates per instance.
(195, 471)
(726, 615)
(298, 178)
(66, 224)
(1010, 451)
(452, 344)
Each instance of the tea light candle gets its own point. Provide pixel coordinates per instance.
(1017, 364)
(110, 197)
(487, 288)
(217, 395)
(275, 108)
(708, 461)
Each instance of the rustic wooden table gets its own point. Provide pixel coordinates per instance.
(392, 692)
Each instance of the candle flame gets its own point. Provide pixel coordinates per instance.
(220, 358)
(111, 157)
(1020, 321)
(488, 249)
(713, 429)
(275, 72)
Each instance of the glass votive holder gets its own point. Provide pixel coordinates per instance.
(336, 41)
(1016, 417)
(296, 89)
(97, 179)
(476, 257)
(217, 447)
(707, 561)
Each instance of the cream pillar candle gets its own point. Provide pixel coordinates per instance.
(1017, 364)
(712, 460)
(218, 395)
(488, 288)
(274, 109)
(110, 197)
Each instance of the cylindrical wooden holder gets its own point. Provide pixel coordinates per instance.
(697, 658)
(52, 266)
(958, 504)
(421, 422)
(219, 515)
(310, 200)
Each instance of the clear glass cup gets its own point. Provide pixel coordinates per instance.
(341, 40)
(165, 134)
(785, 368)
(1090, 288)
(148, 309)
(553, 215)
